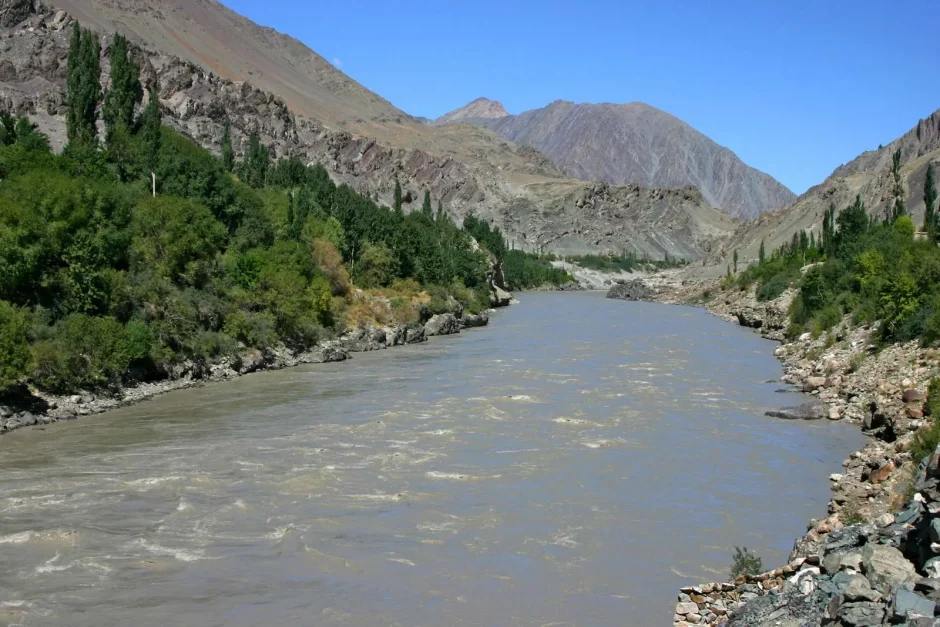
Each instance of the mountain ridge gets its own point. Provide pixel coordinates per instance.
(630, 143)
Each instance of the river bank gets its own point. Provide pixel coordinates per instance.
(36, 409)
(861, 562)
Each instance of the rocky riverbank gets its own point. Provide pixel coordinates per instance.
(30, 408)
(874, 558)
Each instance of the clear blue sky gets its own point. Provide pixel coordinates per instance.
(795, 88)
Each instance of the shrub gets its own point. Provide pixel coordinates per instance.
(850, 514)
(856, 362)
(255, 329)
(827, 319)
(774, 287)
(331, 264)
(377, 266)
(933, 398)
(743, 562)
(14, 350)
(88, 353)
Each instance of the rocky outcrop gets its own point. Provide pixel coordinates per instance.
(442, 324)
(13, 12)
(632, 290)
(813, 410)
(541, 211)
(472, 321)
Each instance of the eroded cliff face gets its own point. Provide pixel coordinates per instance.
(513, 186)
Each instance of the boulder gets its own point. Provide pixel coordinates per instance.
(907, 604)
(862, 614)
(500, 297)
(859, 589)
(812, 384)
(881, 474)
(913, 396)
(469, 321)
(886, 566)
(442, 324)
(813, 410)
(415, 335)
(632, 290)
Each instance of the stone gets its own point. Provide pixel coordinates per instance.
(684, 609)
(881, 474)
(884, 520)
(886, 566)
(632, 290)
(835, 413)
(909, 604)
(811, 384)
(12, 12)
(932, 568)
(859, 589)
(914, 412)
(442, 324)
(913, 396)
(813, 410)
(863, 614)
(500, 297)
(471, 321)
(834, 562)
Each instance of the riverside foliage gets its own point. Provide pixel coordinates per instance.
(875, 270)
(120, 258)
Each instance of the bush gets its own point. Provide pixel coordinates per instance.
(14, 349)
(88, 352)
(826, 319)
(743, 562)
(254, 329)
(933, 398)
(773, 288)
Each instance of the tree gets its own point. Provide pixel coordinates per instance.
(426, 205)
(398, 199)
(899, 207)
(853, 223)
(151, 136)
(14, 351)
(83, 81)
(761, 255)
(257, 161)
(440, 212)
(930, 198)
(124, 92)
(228, 153)
(735, 258)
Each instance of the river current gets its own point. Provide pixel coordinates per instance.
(572, 464)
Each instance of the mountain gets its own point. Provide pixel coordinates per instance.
(637, 143)
(868, 175)
(210, 64)
(479, 109)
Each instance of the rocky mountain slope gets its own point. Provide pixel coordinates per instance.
(209, 64)
(635, 144)
(868, 175)
(479, 109)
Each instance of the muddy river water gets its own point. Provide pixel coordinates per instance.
(572, 464)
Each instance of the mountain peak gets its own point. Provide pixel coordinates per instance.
(481, 108)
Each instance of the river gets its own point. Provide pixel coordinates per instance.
(572, 464)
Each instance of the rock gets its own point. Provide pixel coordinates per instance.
(500, 297)
(882, 474)
(834, 562)
(813, 383)
(863, 614)
(415, 335)
(907, 604)
(442, 324)
(633, 290)
(806, 337)
(885, 520)
(683, 609)
(835, 413)
(914, 412)
(886, 566)
(12, 12)
(859, 589)
(470, 321)
(913, 396)
(813, 410)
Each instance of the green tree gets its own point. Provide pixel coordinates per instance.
(228, 153)
(172, 235)
(83, 82)
(398, 199)
(440, 212)
(14, 350)
(899, 207)
(377, 266)
(930, 199)
(853, 223)
(257, 161)
(735, 259)
(426, 205)
(151, 136)
(761, 255)
(124, 92)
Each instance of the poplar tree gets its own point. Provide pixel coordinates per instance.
(257, 161)
(124, 92)
(397, 197)
(761, 255)
(735, 259)
(930, 197)
(899, 208)
(426, 205)
(228, 153)
(83, 81)
(150, 135)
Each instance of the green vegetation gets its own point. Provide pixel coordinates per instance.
(926, 440)
(119, 259)
(743, 562)
(850, 514)
(627, 262)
